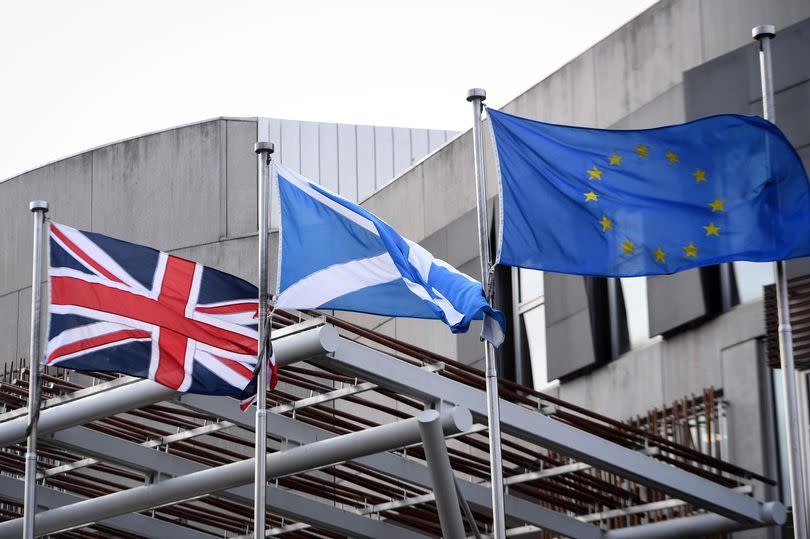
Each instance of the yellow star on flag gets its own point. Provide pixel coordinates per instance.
(717, 205)
(591, 196)
(672, 157)
(606, 223)
(642, 150)
(627, 247)
(691, 250)
(660, 256)
(700, 176)
(594, 173)
(615, 159)
(712, 230)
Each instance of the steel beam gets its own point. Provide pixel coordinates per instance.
(697, 526)
(309, 457)
(289, 346)
(402, 468)
(441, 473)
(378, 367)
(280, 502)
(134, 523)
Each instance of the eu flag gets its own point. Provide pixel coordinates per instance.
(652, 201)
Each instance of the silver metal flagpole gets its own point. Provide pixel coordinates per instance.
(764, 34)
(477, 96)
(39, 208)
(263, 152)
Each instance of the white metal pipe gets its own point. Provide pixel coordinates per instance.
(477, 96)
(764, 34)
(39, 208)
(289, 349)
(773, 514)
(263, 152)
(292, 461)
(441, 474)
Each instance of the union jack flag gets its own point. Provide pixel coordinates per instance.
(120, 307)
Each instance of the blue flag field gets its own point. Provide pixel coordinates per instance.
(334, 254)
(646, 202)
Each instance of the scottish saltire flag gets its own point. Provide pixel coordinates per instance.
(120, 307)
(652, 201)
(333, 254)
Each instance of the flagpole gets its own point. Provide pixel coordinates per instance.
(263, 151)
(477, 96)
(764, 34)
(39, 208)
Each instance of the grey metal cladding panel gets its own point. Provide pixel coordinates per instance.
(366, 166)
(436, 139)
(726, 24)
(569, 337)
(9, 307)
(290, 137)
(715, 87)
(437, 245)
(162, 190)
(241, 177)
(420, 144)
(565, 295)
(311, 150)
(645, 58)
(402, 150)
(383, 155)
(569, 345)
(792, 111)
(66, 185)
(674, 300)
(329, 156)
(797, 267)
(566, 96)
(347, 161)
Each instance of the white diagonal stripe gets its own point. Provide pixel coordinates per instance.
(338, 280)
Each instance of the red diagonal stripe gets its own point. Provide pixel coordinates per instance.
(98, 340)
(230, 309)
(84, 256)
(73, 291)
(236, 367)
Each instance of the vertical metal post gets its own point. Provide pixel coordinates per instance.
(764, 34)
(263, 152)
(441, 474)
(613, 312)
(477, 96)
(39, 208)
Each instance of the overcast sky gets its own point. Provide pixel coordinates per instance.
(78, 74)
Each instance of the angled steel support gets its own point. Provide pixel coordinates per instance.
(312, 456)
(378, 367)
(444, 486)
(289, 346)
(280, 502)
(403, 469)
(134, 523)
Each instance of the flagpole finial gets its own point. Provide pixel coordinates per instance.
(38, 205)
(476, 93)
(763, 30)
(261, 147)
